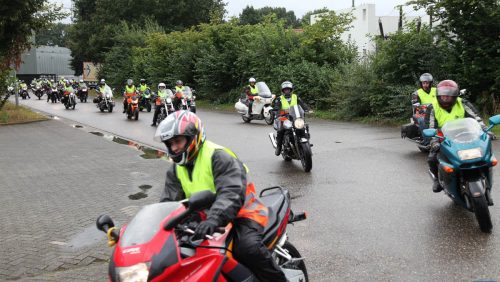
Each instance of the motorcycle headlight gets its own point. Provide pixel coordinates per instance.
(469, 154)
(287, 124)
(135, 273)
(299, 123)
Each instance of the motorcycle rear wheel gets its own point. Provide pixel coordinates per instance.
(300, 265)
(246, 119)
(482, 213)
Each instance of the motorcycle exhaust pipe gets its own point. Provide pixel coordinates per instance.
(273, 140)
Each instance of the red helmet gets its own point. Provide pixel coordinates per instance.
(182, 123)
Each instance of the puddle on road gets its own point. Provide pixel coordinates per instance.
(137, 196)
(77, 126)
(149, 153)
(141, 195)
(89, 236)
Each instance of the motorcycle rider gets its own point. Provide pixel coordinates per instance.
(447, 107)
(22, 86)
(179, 94)
(143, 86)
(66, 91)
(425, 95)
(203, 165)
(102, 90)
(129, 91)
(251, 91)
(162, 93)
(49, 84)
(281, 108)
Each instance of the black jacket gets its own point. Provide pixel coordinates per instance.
(230, 184)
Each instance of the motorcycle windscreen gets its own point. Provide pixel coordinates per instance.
(296, 111)
(466, 130)
(187, 92)
(169, 93)
(264, 91)
(146, 223)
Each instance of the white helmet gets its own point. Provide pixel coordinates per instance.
(81, 80)
(286, 84)
(161, 84)
(252, 80)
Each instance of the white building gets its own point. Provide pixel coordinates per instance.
(365, 25)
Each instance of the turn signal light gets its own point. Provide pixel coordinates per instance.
(448, 169)
(494, 162)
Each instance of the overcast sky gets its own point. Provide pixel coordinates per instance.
(300, 7)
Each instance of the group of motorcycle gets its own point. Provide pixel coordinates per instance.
(465, 161)
(296, 145)
(141, 100)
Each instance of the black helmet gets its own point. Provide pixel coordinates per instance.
(445, 89)
(143, 80)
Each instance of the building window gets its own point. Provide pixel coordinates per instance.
(364, 14)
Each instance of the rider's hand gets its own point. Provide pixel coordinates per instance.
(206, 227)
(435, 146)
(492, 135)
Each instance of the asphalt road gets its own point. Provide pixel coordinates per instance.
(372, 214)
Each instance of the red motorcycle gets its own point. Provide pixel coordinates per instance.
(132, 106)
(158, 244)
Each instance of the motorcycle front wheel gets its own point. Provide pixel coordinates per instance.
(270, 119)
(245, 118)
(298, 265)
(482, 213)
(306, 156)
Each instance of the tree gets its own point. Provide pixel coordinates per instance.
(24, 18)
(306, 18)
(472, 27)
(54, 35)
(252, 16)
(96, 22)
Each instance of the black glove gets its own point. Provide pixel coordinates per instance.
(492, 135)
(435, 146)
(206, 227)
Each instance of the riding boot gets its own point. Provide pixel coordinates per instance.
(279, 143)
(433, 168)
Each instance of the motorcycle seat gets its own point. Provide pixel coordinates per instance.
(277, 205)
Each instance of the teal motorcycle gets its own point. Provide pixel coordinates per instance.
(465, 166)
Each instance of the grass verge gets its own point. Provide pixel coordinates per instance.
(10, 114)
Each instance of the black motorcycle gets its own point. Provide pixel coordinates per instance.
(38, 92)
(69, 100)
(106, 103)
(296, 138)
(53, 94)
(83, 94)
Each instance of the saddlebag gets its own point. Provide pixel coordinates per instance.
(409, 130)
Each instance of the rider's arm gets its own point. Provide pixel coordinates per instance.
(470, 111)
(414, 98)
(173, 189)
(430, 119)
(230, 184)
(303, 105)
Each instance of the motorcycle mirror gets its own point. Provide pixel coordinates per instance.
(430, 132)
(494, 120)
(103, 221)
(201, 200)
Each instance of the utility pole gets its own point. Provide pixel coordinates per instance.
(419, 24)
(400, 23)
(430, 18)
(381, 28)
(353, 3)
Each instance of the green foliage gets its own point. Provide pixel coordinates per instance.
(96, 22)
(306, 18)
(19, 19)
(253, 16)
(472, 28)
(407, 54)
(54, 35)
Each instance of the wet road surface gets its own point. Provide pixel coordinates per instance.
(372, 214)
